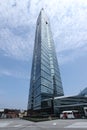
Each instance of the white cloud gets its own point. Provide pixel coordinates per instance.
(17, 21)
(71, 56)
(16, 74)
(15, 45)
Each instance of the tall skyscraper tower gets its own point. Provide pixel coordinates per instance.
(45, 79)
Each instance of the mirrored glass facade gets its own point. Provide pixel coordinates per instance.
(45, 79)
(83, 92)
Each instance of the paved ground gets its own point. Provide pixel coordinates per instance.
(17, 124)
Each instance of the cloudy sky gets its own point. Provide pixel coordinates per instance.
(68, 19)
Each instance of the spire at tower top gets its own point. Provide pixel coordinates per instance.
(42, 10)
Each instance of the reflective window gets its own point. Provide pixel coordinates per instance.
(43, 55)
(46, 82)
(45, 60)
(46, 90)
(37, 91)
(37, 101)
(43, 67)
(45, 63)
(37, 83)
(45, 74)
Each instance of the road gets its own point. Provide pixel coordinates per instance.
(19, 124)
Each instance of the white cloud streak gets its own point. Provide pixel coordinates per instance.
(14, 45)
(15, 74)
(68, 21)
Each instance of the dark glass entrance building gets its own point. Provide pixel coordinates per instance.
(45, 79)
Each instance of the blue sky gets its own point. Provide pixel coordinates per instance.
(68, 20)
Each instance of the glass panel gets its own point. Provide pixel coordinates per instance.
(46, 90)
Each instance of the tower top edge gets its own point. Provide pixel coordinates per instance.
(41, 10)
(42, 15)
